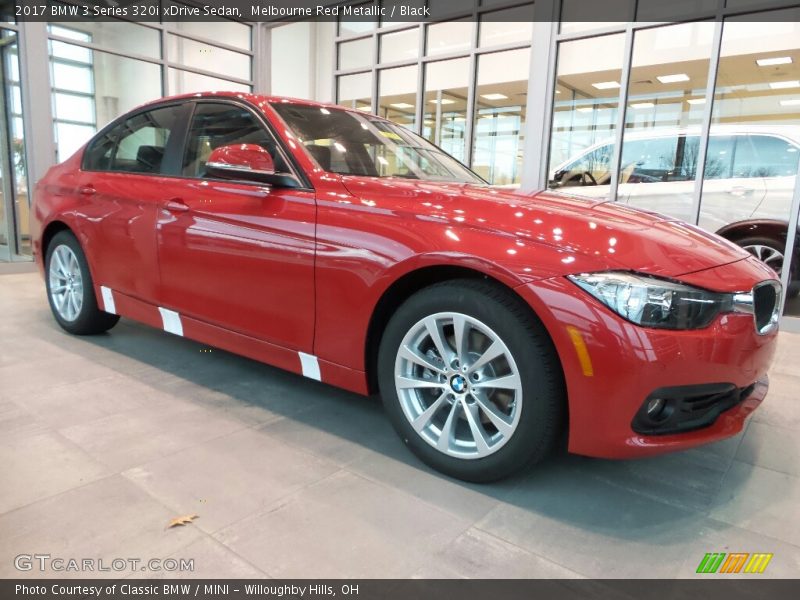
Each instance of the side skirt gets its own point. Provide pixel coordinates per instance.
(173, 322)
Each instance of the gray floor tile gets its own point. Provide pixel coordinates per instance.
(761, 500)
(85, 401)
(110, 518)
(229, 478)
(781, 406)
(343, 428)
(344, 526)
(771, 447)
(128, 439)
(210, 560)
(16, 422)
(591, 526)
(39, 466)
(477, 554)
(402, 470)
(20, 380)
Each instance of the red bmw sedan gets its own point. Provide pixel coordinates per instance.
(345, 248)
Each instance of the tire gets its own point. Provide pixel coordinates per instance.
(494, 431)
(770, 251)
(70, 290)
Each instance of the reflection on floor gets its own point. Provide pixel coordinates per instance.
(104, 440)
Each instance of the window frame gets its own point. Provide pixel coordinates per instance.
(294, 170)
(177, 136)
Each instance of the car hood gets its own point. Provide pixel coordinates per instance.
(608, 233)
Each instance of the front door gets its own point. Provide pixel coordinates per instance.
(238, 255)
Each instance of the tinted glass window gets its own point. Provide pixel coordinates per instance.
(718, 164)
(596, 162)
(772, 157)
(136, 145)
(352, 143)
(745, 161)
(648, 160)
(215, 125)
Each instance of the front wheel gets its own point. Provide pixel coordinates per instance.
(70, 289)
(471, 381)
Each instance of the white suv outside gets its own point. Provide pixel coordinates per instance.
(748, 184)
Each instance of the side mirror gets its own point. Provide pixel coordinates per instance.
(247, 162)
(239, 160)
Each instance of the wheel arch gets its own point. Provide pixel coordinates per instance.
(769, 228)
(407, 285)
(50, 231)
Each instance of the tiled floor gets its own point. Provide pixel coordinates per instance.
(103, 440)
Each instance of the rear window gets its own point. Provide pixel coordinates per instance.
(137, 145)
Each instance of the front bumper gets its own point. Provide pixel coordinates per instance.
(611, 366)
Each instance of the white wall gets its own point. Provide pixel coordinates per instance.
(301, 64)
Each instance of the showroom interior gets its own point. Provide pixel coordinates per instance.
(696, 117)
(468, 83)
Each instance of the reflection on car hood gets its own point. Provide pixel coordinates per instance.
(612, 235)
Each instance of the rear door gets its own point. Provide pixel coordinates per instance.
(733, 184)
(778, 160)
(235, 254)
(124, 170)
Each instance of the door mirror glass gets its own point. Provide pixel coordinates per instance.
(240, 161)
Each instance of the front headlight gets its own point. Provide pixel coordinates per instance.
(654, 302)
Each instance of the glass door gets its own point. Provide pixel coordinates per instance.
(14, 207)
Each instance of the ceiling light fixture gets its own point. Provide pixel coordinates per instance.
(696, 101)
(782, 85)
(606, 85)
(494, 96)
(678, 77)
(401, 105)
(642, 105)
(443, 101)
(770, 62)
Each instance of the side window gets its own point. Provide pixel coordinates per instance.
(648, 160)
(774, 157)
(596, 162)
(745, 160)
(135, 146)
(215, 125)
(719, 156)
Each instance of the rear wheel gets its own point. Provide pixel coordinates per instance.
(70, 290)
(471, 381)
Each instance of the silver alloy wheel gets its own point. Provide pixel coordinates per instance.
(767, 254)
(458, 385)
(66, 283)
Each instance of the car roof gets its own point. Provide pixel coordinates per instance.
(255, 99)
(789, 132)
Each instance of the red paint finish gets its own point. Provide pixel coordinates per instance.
(240, 256)
(268, 271)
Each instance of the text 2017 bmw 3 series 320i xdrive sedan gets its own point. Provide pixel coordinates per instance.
(335, 244)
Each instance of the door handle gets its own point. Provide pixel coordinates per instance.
(176, 205)
(87, 190)
(740, 190)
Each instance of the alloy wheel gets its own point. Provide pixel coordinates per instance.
(458, 385)
(66, 283)
(767, 254)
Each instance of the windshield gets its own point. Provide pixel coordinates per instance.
(351, 143)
